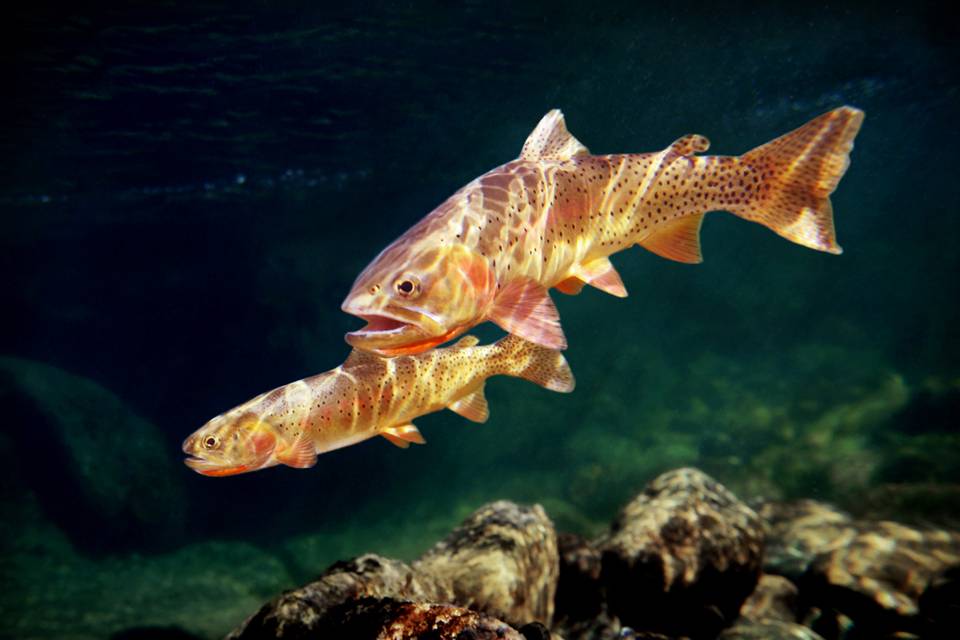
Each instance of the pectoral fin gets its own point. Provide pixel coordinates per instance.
(524, 308)
(402, 435)
(302, 454)
(472, 406)
(571, 286)
(677, 240)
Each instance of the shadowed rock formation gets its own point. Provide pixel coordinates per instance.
(682, 556)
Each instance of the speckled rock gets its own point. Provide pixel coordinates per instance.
(775, 598)
(681, 557)
(877, 578)
(768, 630)
(390, 619)
(302, 612)
(502, 560)
(800, 531)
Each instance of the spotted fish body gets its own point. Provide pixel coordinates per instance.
(552, 218)
(366, 396)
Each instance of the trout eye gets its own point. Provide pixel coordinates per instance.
(211, 442)
(408, 286)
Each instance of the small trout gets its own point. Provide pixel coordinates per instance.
(552, 218)
(366, 396)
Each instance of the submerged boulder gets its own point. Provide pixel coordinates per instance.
(102, 473)
(769, 630)
(860, 575)
(304, 611)
(775, 598)
(369, 618)
(501, 562)
(878, 577)
(681, 557)
(800, 531)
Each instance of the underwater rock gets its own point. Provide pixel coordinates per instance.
(578, 587)
(105, 476)
(878, 577)
(768, 630)
(681, 557)
(775, 598)
(303, 611)
(502, 560)
(369, 618)
(800, 531)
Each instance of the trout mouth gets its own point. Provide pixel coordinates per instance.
(213, 469)
(389, 337)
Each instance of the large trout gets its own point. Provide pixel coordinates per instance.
(553, 217)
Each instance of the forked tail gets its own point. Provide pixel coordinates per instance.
(797, 173)
(540, 365)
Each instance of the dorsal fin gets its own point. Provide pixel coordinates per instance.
(466, 341)
(677, 240)
(472, 406)
(550, 140)
(690, 144)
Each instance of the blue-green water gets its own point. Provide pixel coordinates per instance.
(188, 193)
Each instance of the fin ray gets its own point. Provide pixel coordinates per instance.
(678, 239)
(550, 140)
(524, 308)
(802, 169)
(302, 454)
(472, 406)
(403, 433)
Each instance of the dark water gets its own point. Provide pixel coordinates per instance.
(188, 193)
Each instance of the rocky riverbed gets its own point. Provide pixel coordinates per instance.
(685, 558)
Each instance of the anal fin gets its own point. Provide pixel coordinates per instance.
(402, 435)
(678, 239)
(472, 406)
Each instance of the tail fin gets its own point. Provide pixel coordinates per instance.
(540, 365)
(798, 172)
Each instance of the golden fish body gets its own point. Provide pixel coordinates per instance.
(552, 218)
(366, 396)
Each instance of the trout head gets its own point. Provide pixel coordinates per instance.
(232, 443)
(414, 299)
